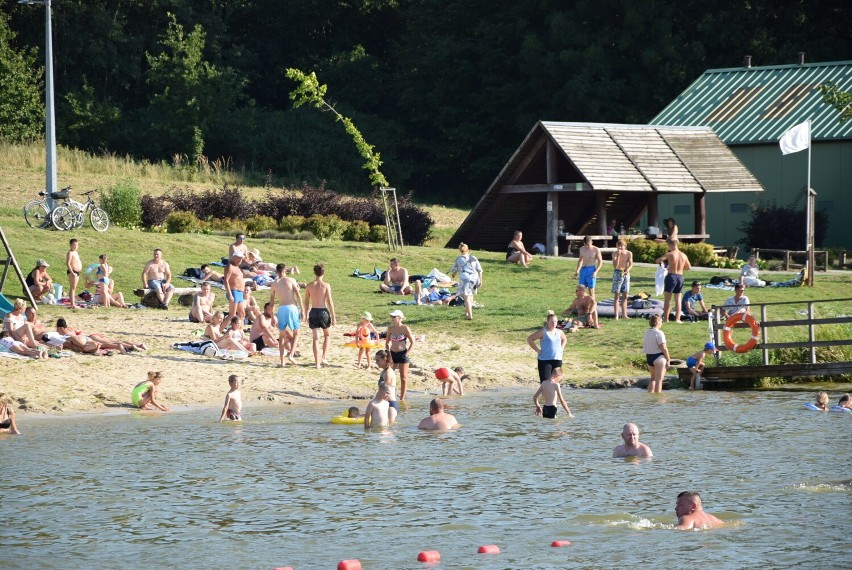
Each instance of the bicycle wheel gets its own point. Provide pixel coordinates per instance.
(99, 219)
(36, 214)
(62, 218)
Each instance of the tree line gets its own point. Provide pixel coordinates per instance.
(445, 91)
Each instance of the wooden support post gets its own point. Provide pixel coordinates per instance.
(600, 211)
(811, 331)
(653, 210)
(787, 260)
(552, 216)
(700, 214)
(764, 337)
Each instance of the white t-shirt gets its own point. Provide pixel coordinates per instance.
(653, 339)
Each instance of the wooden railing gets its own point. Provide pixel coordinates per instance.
(787, 256)
(718, 319)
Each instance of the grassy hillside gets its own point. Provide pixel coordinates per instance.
(514, 299)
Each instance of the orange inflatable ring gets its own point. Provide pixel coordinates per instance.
(729, 324)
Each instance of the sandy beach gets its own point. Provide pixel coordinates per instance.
(87, 383)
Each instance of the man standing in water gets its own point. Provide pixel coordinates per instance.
(589, 265)
(631, 446)
(235, 287)
(438, 419)
(289, 313)
(678, 263)
(690, 513)
(320, 310)
(73, 267)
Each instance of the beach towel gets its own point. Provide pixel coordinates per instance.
(205, 347)
(660, 280)
(721, 286)
(376, 275)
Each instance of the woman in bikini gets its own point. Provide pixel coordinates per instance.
(106, 285)
(400, 342)
(235, 338)
(214, 327)
(516, 253)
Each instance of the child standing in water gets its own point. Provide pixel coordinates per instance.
(233, 401)
(365, 337)
(695, 363)
(378, 412)
(551, 392)
(145, 393)
(7, 416)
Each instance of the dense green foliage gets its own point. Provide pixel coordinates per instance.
(21, 111)
(648, 251)
(781, 227)
(122, 202)
(445, 90)
(840, 100)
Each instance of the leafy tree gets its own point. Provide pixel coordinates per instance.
(21, 109)
(780, 227)
(840, 100)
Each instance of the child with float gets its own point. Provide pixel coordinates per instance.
(366, 338)
(451, 380)
(695, 364)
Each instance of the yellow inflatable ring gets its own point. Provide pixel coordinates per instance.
(346, 420)
(729, 324)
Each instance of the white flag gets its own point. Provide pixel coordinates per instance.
(796, 138)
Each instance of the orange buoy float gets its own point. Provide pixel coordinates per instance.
(442, 373)
(560, 543)
(429, 556)
(729, 325)
(353, 564)
(489, 549)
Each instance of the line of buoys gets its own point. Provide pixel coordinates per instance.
(429, 556)
(489, 549)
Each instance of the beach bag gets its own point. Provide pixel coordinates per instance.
(660, 280)
(193, 272)
(208, 348)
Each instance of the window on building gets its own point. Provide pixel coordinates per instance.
(682, 210)
(739, 208)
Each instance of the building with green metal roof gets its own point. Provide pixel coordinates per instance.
(750, 108)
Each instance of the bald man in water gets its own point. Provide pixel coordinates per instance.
(690, 513)
(438, 419)
(631, 446)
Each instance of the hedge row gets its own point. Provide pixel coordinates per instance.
(332, 214)
(648, 251)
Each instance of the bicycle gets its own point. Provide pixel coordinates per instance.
(67, 215)
(72, 214)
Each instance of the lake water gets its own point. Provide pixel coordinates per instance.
(286, 487)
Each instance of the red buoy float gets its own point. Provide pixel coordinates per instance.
(560, 543)
(353, 564)
(429, 556)
(442, 373)
(729, 324)
(489, 549)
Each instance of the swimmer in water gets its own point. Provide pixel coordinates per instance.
(233, 401)
(631, 446)
(354, 412)
(690, 513)
(438, 419)
(551, 392)
(822, 401)
(379, 412)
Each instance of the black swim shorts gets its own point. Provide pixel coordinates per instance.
(400, 357)
(319, 319)
(548, 412)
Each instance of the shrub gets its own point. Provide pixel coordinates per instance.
(325, 227)
(291, 224)
(357, 231)
(183, 223)
(259, 223)
(699, 254)
(645, 250)
(780, 227)
(154, 210)
(226, 225)
(123, 204)
(378, 234)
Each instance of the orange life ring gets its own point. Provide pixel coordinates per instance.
(729, 324)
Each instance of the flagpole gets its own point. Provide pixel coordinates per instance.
(810, 215)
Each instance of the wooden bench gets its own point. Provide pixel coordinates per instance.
(739, 377)
(729, 252)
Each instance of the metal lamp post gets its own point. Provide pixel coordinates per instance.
(49, 128)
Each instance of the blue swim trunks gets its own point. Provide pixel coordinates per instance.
(586, 278)
(288, 318)
(691, 362)
(238, 296)
(157, 284)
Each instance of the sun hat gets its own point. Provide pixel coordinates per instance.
(709, 346)
(367, 316)
(397, 313)
(255, 253)
(42, 263)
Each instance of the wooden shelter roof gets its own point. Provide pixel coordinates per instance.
(619, 160)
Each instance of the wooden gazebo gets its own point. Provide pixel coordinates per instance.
(570, 178)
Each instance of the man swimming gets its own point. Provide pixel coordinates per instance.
(631, 446)
(690, 513)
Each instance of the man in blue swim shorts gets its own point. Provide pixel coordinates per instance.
(589, 265)
(235, 287)
(286, 289)
(678, 263)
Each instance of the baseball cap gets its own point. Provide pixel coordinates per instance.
(709, 346)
